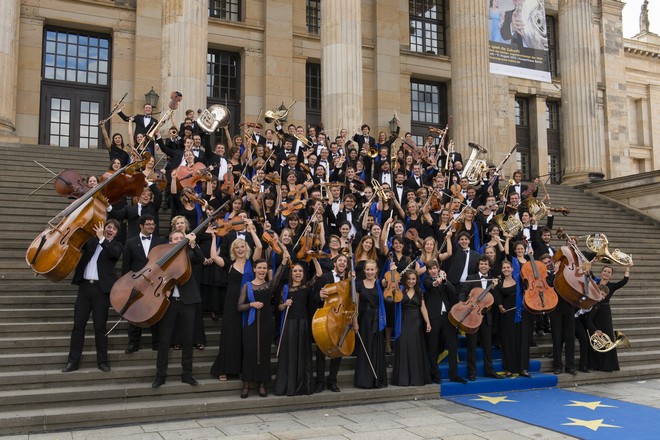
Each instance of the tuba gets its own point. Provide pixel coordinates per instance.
(474, 167)
(603, 343)
(598, 243)
(216, 116)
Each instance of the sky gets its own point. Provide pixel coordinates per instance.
(631, 16)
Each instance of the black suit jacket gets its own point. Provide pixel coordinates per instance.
(133, 258)
(436, 296)
(130, 213)
(110, 253)
(189, 291)
(412, 183)
(360, 140)
(139, 123)
(457, 263)
(505, 31)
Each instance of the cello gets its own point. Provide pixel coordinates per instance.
(468, 315)
(539, 297)
(141, 297)
(56, 251)
(332, 324)
(70, 184)
(572, 280)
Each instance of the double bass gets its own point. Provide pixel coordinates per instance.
(141, 297)
(332, 324)
(572, 280)
(57, 250)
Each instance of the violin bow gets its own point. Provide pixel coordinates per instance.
(279, 344)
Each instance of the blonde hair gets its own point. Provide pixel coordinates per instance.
(235, 243)
(425, 257)
(176, 219)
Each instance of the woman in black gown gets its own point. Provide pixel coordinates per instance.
(371, 323)
(602, 320)
(294, 364)
(514, 336)
(410, 367)
(255, 304)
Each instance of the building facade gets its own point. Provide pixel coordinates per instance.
(344, 62)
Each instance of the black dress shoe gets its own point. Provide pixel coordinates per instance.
(494, 376)
(557, 371)
(525, 374)
(458, 379)
(69, 368)
(319, 387)
(158, 382)
(472, 377)
(435, 379)
(584, 370)
(189, 381)
(333, 387)
(103, 366)
(132, 348)
(571, 371)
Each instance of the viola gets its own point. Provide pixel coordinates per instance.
(56, 251)
(187, 176)
(70, 184)
(392, 291)
(572, 281)
(222, 227)
(468, 315)
(270, 237)
(141, 297)
(539, 297)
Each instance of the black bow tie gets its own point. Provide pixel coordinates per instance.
(147, 117)
(399, 186)
(467, 251)
(348, 211)
(146, 237)
(195, 149)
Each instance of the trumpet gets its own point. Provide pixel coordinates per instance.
(602, 343)
(598, 243)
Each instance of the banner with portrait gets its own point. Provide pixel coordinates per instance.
(518, 39)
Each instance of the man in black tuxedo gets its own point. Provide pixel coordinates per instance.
(385, 174)
(148, 204)
(143, 123)
(94, 276)
(365, 138)
(338, 273)
(180, 316)
(513, 26)
(417, 179)
(562, 320)
(462, 261)
(484, 332)
(135, 257)
(439, 297)
(216, 159)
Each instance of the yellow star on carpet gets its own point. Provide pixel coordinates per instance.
(493, 400)
(591, 424)
(590, 405)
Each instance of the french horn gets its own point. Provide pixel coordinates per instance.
(602, 343)
(216, 116)
(598, 243)
(278, 116)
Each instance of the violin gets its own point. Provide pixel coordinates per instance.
(273, 177)
(296, 204)
(141, 297)
(70, 184)
(572, 280)
(249, 186)
(468, 315)
(413, 235)
(531, 189)
(227, 186)
(187, 176)
(56, 251)
(539, 297)
(193, 197)
(271, 239)
(222, 227)
(392, 291)
(331, 324)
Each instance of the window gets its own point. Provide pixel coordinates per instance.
(223, 74)
(76, 57)
(225, 9)
(313, 16)
(313, 93)
(427, 26)
(554, 146)
(551, 29)
(428, 106)
(523, 136)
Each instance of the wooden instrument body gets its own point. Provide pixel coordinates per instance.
(573, 286)
(468, 316)
(392, 292)
(56, 251)
(123, 185)
(539, 296)
(140, 297)
(222, 227)
(331, 324)
(188, 176)
(69, 183)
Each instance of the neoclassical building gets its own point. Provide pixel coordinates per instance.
(344, 62)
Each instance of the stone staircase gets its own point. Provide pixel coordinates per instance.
(36, 318)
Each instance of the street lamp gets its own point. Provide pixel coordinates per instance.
(394, 124)
(151, 97)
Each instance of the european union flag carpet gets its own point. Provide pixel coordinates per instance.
(576, 414)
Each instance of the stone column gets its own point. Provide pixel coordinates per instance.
(9, 61)
(184, 48)
(579, 57)
(387, 67)
(539, 128)
(341, 64)
(470, 74)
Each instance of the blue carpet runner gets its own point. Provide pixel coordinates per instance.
(580, 415)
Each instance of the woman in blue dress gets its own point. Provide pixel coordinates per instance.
(495, 17)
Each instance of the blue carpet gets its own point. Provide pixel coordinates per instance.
(580, 415)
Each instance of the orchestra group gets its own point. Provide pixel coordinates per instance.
(265, 226)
